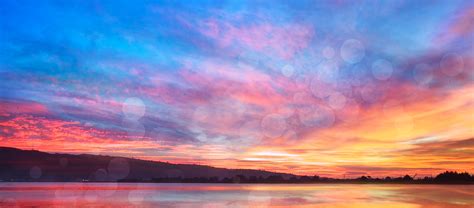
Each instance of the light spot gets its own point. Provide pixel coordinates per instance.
(328, 52)
(135, 129)
(273, 125)
(288, 70)
(290, 136)
(201, 114)
(35, 172)
(452, 64)
(302, 81)
(359, 75)
(328, 71)
(100, 175)
(320, 89)
(317, 116)
(133, 108)
(136, 197)
(344, 86)
(382, 69)
(302, 98)
(231, 109)
(118, 168)
(422, 74)
(336, 100)
(352, 51)
(370, 93)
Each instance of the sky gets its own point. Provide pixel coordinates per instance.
(330, 88)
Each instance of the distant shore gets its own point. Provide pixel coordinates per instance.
(446, 178)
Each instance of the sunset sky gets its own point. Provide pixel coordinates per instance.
(310, 87)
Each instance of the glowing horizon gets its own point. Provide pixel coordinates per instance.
(331, 89)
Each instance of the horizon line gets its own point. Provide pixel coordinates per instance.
(270, 171)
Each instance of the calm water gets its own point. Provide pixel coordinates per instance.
(232, 195)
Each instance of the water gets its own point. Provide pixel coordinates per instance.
(233, 195)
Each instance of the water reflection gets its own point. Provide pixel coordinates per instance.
(232, 195)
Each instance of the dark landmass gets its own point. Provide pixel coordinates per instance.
(447, 177)
(34, 166)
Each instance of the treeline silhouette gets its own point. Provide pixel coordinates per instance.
(18, 165)
(448, 177)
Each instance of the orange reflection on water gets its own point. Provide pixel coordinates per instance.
(233, 195)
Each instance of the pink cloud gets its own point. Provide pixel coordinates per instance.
(283, 40)
(460, 26)
(19, 107)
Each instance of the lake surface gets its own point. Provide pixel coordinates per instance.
(233, 195)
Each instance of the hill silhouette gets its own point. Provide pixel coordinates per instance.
(30, 165)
